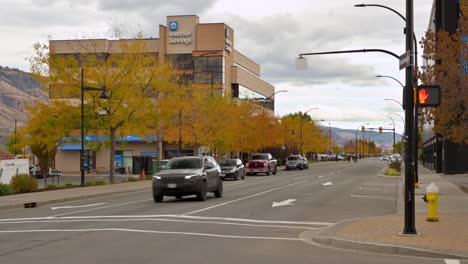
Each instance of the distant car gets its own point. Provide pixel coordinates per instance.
(294, 162)
(384, 158)
(187, 176)
(36, 172)
(395, 158)
(232, 168)
(340, 157)
(162, 164)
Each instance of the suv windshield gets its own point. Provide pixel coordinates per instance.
(294, 158)
(175, 164)
(228, 163)
(259, 157)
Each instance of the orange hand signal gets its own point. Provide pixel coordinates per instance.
(423, 95)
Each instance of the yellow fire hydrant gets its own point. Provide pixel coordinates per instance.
(432, 200)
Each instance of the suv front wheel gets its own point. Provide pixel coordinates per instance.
(219, 191)
(201, 195)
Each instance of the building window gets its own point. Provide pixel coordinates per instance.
(181, 61)
(209, 70)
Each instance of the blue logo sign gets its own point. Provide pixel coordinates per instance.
(173, 25)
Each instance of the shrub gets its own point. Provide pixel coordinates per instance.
(396, 165)
(5, 189)
(391, 172)
(148, 177)
(23, 183)
(68, 185)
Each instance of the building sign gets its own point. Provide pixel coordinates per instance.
(180, 38)
(173, 25)
(11, 168)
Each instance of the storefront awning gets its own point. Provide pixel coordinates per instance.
(70, 147)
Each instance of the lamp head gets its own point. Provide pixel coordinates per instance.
(104, 94)
(301, 63)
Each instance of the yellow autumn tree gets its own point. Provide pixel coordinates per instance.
(131, 73)
(447, 67)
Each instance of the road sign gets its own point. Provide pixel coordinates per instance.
(428, 95)
(405, 60)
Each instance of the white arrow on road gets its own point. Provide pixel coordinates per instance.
(283, 203)
(76, 206)
(327, 183)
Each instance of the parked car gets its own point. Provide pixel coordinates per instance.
(294, 162)
(395, 158)
(162, 164)
(232, 168)
(384, 158)
(305, 163)
(36, 172)
(261, 163)
(187, 176)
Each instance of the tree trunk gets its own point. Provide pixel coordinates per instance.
(112, 155)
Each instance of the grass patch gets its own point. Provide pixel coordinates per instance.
(5, 189)
(391, 172)
(132, 179)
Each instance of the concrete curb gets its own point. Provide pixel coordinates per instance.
(325, 237)
(68, 199)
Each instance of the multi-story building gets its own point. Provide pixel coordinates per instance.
(439, 153)
(203, 52)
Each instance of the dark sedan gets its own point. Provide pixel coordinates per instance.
(232, 168)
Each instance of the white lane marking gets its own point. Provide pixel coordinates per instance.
(75, 206)
(283, 203)
(331, 173)
(243, 198)
(373, 197)
(160, 220)
(452, 261)
(327, 183)
(371, 189)
(103, 207)
(339, 171)
(168, 216)
(115, 205)
(321, 176)
(151, 232)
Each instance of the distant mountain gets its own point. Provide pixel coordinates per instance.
(17, 88)
(341, 136)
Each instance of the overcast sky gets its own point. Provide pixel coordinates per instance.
(270, 32)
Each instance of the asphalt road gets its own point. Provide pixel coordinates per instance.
(241, 227)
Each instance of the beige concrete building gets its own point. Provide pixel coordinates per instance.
(204, 52)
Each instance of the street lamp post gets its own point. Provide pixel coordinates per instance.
(301, 124)
(103, 95)
(411, 117)
(329, 137)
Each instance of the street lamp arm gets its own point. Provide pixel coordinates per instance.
(386, 76)
(404, 19)
(269, 97)
(394, 101)
(351, 51)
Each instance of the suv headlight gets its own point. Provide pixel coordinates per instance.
(192, 177)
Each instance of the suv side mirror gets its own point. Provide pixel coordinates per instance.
(208, 166)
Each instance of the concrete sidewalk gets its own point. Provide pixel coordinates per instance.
(447, 238)
(49, 197)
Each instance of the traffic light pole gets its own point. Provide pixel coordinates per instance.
(409, 227)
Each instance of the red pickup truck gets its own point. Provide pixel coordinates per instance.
(261, 163)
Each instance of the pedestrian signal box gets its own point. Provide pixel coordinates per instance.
(428, 95)
(363, 129)
(380, 130)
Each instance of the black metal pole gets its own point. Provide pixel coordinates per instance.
(409, 227)
(82, 131)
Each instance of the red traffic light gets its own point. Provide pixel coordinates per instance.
(428, 96)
